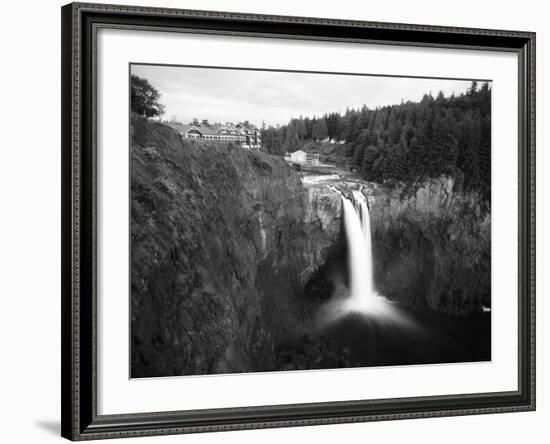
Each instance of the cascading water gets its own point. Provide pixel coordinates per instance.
(360, 262)
(360, 319)
(362, 295)
(363, 209)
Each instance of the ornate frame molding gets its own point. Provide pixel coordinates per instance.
(79, 410)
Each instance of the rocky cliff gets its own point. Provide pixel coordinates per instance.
(222, 242)
(432, 246)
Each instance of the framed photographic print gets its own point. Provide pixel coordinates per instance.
(278, 221)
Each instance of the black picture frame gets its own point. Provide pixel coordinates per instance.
(80, 420)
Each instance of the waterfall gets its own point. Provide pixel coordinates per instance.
(362, 295)
(360, 284)
(363, 209)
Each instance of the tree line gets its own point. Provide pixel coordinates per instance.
(408, 142)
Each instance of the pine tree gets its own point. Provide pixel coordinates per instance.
(320, 130)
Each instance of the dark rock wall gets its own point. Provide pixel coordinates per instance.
(432, 246)
(222, 242)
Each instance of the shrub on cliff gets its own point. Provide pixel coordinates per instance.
(144, 98)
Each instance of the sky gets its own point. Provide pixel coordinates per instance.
(229, 95)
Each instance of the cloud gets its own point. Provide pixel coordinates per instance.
(224, 95)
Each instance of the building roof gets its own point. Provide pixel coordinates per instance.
(213, 129)
(203, 129)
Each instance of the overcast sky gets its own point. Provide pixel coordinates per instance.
(227, 95)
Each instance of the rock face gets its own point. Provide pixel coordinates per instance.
(432, 246)
(222, 241)
(323, 225)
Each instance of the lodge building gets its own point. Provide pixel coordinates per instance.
(247, 136)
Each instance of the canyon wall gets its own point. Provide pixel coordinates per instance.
(222, 242)
(432, 246)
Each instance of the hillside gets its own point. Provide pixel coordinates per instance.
(223, 240)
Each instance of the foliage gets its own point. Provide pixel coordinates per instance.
(408, 142)
(145, 98)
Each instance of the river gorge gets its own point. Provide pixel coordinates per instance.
(238, 262)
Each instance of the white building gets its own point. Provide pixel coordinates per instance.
(303, 157)
(247, 136)
(298, 156)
